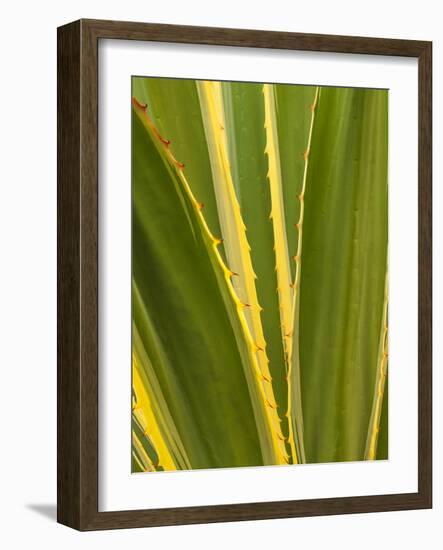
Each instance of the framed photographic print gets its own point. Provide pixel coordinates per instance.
(244, 275)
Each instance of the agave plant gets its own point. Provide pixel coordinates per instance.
(259, 284)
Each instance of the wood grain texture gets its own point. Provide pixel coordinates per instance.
(77, 172)
(254, 38)
(68, 275)
(425, 274)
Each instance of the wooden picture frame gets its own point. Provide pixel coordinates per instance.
(77, 457)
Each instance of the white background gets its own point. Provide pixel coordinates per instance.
(28, 274)
(118, 489)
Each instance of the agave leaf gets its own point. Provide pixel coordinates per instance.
(344, 268)
(245, 132)
(174, 107)
(285, 288)
(277, 215)
(192, 311)
(238, 255)
(295, 412)
(380, 380)
(295, 112)
(294, 117)
(158, 420)
(217, 425)
(144, 456)
(383, 439)
(327, 174)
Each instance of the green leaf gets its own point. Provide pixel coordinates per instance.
(250, 156)
(174, 107)
(246, 135)
(146, 362)
(371, 450)
(383, 436)
(344, 267)
(244, 108)
(293, 105)
(237, 248)
(202, 376)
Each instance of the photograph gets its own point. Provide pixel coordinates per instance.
(259, 274)
(245, 274)
(218, 275)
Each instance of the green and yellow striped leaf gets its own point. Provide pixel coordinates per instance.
(259, 274)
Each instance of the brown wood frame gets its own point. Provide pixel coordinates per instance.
(77, 455)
